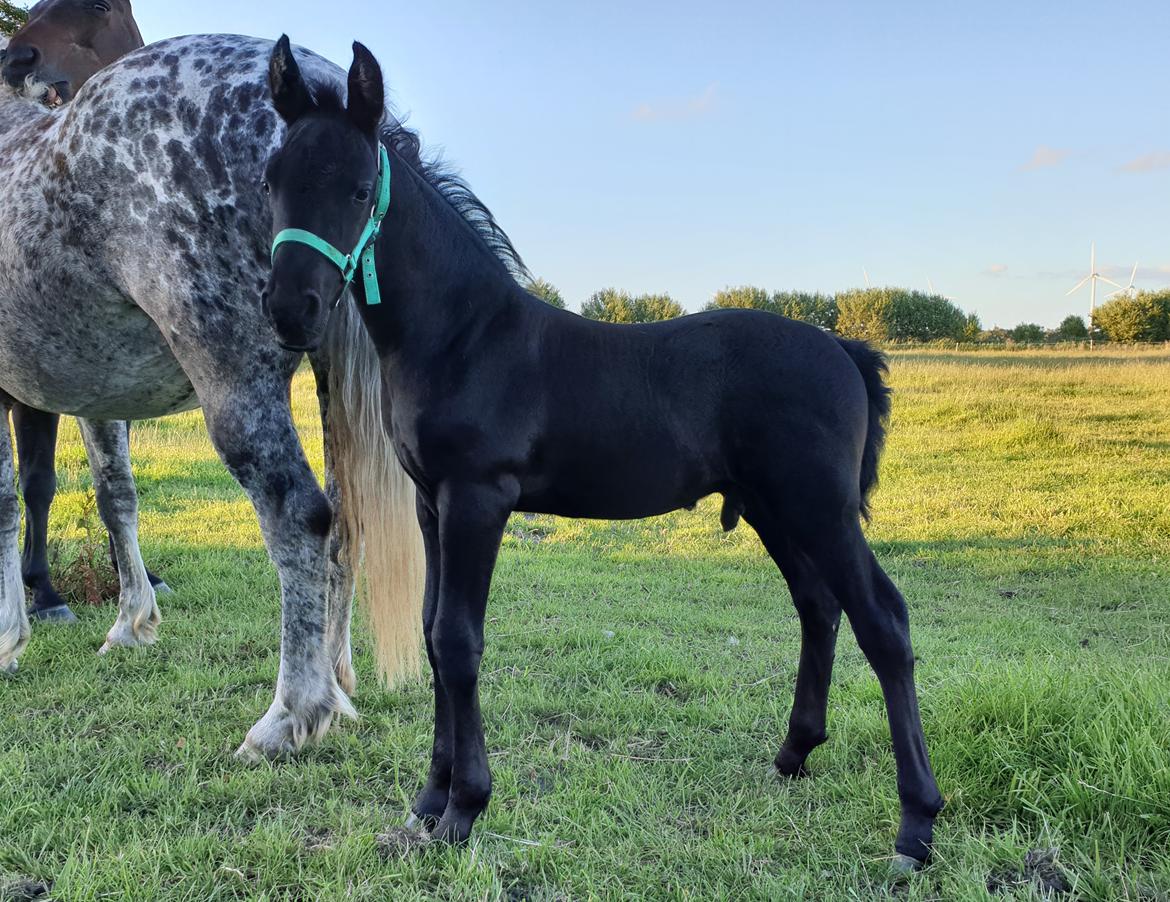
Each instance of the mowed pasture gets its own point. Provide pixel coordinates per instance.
(637, 684)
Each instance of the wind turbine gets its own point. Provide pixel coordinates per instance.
(1132, 286)
(930, 285)
(1092, 279)
(868, 284)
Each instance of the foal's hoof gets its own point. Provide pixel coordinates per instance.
(454, 827)
(161, 588)
(905, 864)
(790, 765)
(420, 824)
(59, 614)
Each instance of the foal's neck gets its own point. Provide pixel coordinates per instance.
(438, 277)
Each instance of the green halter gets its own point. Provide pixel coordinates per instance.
(364, 252)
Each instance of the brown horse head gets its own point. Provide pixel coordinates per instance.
(65, 42)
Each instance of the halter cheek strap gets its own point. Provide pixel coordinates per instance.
(363, 253)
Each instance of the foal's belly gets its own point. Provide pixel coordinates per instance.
(100, 361)
(626, 485)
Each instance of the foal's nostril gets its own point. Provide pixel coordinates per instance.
(312, 304)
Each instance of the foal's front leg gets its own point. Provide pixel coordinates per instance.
(431, 801)
(471, 524)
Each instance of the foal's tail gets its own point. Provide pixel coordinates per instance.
(874, 368)
(377, 499)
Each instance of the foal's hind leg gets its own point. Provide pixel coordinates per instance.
(108, 448)
(820, 617)
(878, 615)
(36, 451)
(14, 630)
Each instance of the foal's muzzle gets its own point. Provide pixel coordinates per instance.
(297, 316)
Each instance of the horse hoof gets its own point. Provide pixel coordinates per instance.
(905, 864)
(420, 824)
(249, 754)
(161, 588)
(9, 669)
(59, 614)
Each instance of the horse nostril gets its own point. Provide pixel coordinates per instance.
(312, 304)
(22, 57)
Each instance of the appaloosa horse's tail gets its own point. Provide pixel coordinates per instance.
(377, 499)
(874, 368)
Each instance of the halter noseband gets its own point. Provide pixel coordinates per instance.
(364, 252)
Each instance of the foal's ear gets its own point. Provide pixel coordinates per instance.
(367, 93)
(290, 96)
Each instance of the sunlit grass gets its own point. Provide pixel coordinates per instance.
(638, 678)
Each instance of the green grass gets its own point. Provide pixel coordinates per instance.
(637, 680)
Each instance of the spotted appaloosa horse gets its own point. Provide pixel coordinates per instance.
(141, 299)
(64, 43)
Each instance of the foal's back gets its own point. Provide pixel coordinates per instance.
(636, 420)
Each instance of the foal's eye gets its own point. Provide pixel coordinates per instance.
(362, 195)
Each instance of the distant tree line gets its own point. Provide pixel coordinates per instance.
(888, 314)
(1144, 316)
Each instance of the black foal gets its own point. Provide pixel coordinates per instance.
(497, 402)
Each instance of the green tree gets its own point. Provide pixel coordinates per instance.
(1141, 317)
(547, 292)
(864, 313)
(744, 297)
(897, 314)
(653, 308)
(1072, 328)
(1028, 333)
(815, 309)
(972, 328)
(609, 306)
(818, 309)
(11, 17)
(612, 306)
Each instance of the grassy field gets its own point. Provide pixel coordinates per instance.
(637, 680)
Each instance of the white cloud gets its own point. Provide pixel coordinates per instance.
(674, 111)
(1045, 157)
(997, 269)
(1148, 163)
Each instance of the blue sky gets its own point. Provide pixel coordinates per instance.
(686, 146)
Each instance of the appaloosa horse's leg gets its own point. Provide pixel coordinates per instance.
(36, 451)
(471, 526)
(14, 629)
(108, 448)
(160, 587)
(251, 427)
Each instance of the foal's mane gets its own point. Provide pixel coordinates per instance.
(444, 178)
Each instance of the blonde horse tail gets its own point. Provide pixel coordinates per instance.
(376, 501)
